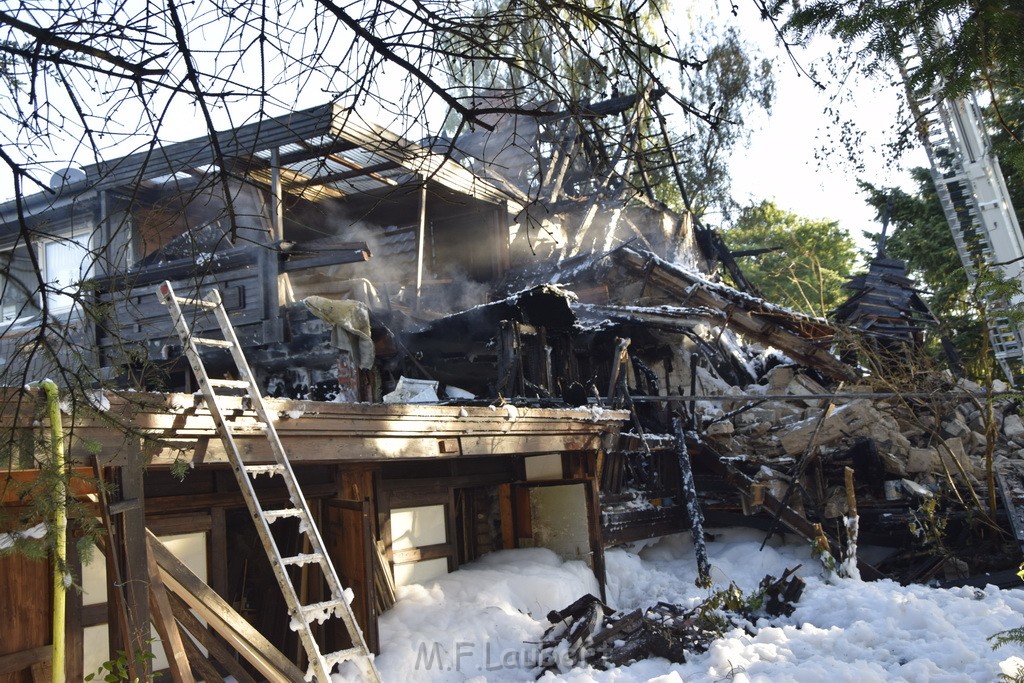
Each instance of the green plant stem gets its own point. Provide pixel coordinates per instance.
(60, 528)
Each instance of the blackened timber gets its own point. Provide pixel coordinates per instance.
(789, 517)
(692, 506)
(792, 333)
(230, 259)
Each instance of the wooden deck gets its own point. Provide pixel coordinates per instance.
(170, 427)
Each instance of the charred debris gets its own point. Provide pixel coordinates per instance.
(598, 295)
(772, 419)
(589, 632)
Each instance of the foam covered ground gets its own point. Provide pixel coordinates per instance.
(483, 622)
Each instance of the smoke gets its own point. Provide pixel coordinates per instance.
(446, 287)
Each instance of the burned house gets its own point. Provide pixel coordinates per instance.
(297, 213)
(455, 359)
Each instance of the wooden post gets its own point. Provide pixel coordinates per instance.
(276, 196)
(508, 525)
(421, 239)
(132, 548)
(692, 506)
(370, 626)
(851, 496)
(219, 551)
(210, 641)
(74, 647)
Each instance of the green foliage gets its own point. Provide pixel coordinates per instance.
(979, 51)
(982, 39)
(37, 495)
(920, 236)
(1009, 637)
(808, 270)
(1013, 636)
(733, 84)
(180, 467)
(117, 671)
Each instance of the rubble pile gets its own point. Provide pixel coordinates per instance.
(590, 632)
(933, 443)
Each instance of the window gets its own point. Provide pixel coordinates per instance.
(18, 285)
(65, 261)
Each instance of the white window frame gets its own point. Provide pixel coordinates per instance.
(27, 312)
(58, 304)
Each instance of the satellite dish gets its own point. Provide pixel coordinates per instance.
(66, 177)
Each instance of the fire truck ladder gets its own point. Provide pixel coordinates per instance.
(972, 191)
(337, 607)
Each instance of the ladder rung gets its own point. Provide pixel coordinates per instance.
(301, 559)
(219, 343)
(274, 515)
(256, 470)
(229, 383)
(198, 303)
(332, 659)
(322, 611)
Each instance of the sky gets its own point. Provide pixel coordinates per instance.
(791, 158)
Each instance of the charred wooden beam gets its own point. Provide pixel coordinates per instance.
(750, 317)
(789, 517)
(692, 506)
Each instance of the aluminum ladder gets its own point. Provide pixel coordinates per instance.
(974, 199)
(337, 607)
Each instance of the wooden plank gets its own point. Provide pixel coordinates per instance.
(228, 499)
(223, 619)
(212, 643)
(166, 626)
(95, 614)
(508, 526)
(207, 672)
(13, 482)
(428, 552)
(19, 661)
(370, 627)
(74, 636)
(136, 566)
(219, 551)
(174, 526)
(763, 326)
(384, 577)
(42, 672)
